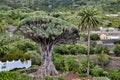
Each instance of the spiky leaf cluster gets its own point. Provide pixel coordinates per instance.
(89, 19)
(48, 28)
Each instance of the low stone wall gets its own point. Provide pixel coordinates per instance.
(9, 65)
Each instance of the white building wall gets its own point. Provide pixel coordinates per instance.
(9, 65)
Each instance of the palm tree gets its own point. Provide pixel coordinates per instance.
(103, 59)
(88, 21)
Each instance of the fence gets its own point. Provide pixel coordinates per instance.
(9, 65)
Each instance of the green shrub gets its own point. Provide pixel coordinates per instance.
(70, 49)
(4, 41)
(13, 76)
(35, 57)
(24, 45)
(92, 50)
(84, 36)
(117, 50)
(114, 75)
(65, 63)
(94, 37)
(13, 16)
(56, 15)
(15, 56)
(16, 22)
(59, 78)
(101, 78)
(100, 49)
(96, 72)
(83, 67)
(103, 59)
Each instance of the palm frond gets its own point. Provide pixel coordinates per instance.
(89, 19)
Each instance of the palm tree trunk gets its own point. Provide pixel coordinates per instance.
(88, 52)
(102, 64)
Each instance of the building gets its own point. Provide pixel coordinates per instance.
(108, 37)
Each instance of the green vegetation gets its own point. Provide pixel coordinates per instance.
(17, 76)
(108, 21)
(101, 49)
(117, 50)
(114, 75)
(88, 21)
(13, 76)
(65, 63)
(70, 49)
(97, 72)
(47, 31)
(93, 37)
(111, 6)
(12, 16)
(15, 56)
(103, 59)
(101, 78)
(51, 23)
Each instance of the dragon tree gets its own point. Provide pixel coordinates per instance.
(47, 32)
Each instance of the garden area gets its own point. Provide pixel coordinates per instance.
(52, 44)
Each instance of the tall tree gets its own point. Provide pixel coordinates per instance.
(47, 32)
(89, 20)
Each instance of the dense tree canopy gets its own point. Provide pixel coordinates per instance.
(49, 28)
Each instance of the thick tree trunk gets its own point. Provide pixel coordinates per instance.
(47, 67)
(88, 52)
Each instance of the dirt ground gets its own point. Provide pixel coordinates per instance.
(70, 76)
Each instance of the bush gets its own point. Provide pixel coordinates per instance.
(4, 41)
(24, 45)
(15, 56)
(65, 63)
(35, 57)
(117, 50)
(96, 72)
(13, 76)
(70, 49)
(84, 36)
(101, 78)
(11, 15)
(56, 15)
(114, 75)
(94, 37)
(92, 50)
(103, 59)
(100, 49)
(16, 22)
(83, 67)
